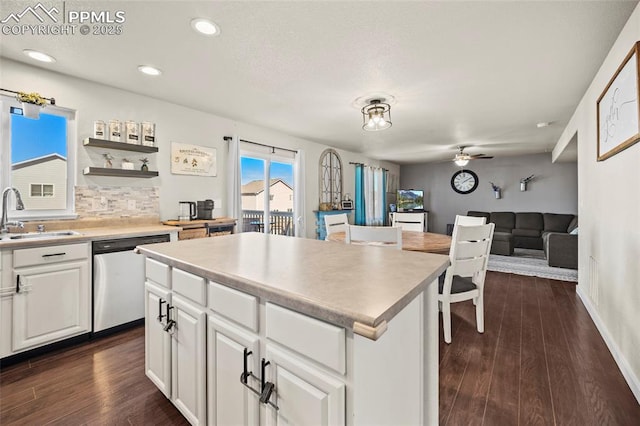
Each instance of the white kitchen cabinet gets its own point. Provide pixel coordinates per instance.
(157, 358)
(304, 395)
(175, 344)
(50, 303)
(45, 296)
(188, 360)
(229, 402)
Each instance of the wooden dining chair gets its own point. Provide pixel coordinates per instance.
(464, 278)
(409, 221)
(468, 221)
(383, 236)
(335, 223)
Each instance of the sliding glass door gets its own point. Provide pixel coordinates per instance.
(267, 193)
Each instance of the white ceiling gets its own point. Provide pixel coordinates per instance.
(478, 73)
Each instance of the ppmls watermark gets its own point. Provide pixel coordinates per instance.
(57, 20)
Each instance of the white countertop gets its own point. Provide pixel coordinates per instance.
(357, 287)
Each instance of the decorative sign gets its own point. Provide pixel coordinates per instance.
(618, 113)
(193, 160)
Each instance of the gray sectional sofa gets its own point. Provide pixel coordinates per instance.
(554, 233)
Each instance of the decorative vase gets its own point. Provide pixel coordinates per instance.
(523, 186)
(108, 164)
(31, 110)
(497, 194)
(144, 168)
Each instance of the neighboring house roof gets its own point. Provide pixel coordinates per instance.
(257, 186)
(34, 161)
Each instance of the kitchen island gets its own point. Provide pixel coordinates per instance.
(265, 329)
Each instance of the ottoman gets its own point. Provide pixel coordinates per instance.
(502, 243)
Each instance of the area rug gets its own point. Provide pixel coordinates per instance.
(531, 263)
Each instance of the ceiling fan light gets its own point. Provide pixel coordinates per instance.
(461, 161)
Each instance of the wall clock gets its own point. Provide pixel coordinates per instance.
(464, 181)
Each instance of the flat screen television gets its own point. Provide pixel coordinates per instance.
(410, 200)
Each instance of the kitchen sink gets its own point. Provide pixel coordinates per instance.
(39, 235)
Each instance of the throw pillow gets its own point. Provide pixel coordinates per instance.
(574, 232)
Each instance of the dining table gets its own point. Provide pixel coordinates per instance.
(427, 242)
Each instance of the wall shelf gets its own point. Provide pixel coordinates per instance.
(101, 171)
(102, 143)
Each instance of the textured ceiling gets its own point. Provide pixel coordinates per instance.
(479, 74)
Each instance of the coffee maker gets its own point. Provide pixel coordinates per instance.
(186, 210)
(205, 209)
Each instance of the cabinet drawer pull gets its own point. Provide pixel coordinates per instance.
(18, 283)
(54, 254)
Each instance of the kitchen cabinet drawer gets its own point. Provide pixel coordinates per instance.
(190, 234)
(233, 304)
(320, 341)
(51, 254)
(189, 285)
(158, 272)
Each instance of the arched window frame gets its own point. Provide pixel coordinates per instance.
(330, 178)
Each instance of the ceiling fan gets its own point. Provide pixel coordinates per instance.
(462, 158)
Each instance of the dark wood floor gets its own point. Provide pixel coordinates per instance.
(540, 361)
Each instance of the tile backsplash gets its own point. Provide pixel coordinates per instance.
(116, 201)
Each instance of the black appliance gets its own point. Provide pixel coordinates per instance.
(205, 209)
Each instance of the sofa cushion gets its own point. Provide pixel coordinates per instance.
(505, 221)
(573, 225)
(479, 214)
(529, 221)
(502, 236)
(526, 232)
(557, 222)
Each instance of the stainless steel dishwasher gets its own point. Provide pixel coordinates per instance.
(118, 282)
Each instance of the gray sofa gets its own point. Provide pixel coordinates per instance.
(550, 232)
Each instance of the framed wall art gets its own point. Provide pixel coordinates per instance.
(618, 109)
(193, 160)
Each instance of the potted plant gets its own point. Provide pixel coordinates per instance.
(107, 160)
(144, 166)
(31, 104)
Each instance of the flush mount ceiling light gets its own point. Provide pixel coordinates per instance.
(376, 115)
(39, 56)
(149, 70)
(543, 124)
(205, 26)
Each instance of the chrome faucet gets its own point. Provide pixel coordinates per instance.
(4, 222)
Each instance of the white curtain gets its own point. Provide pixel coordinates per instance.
(300, 194)
(234, 201)
(374, 195)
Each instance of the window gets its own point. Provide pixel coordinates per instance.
(41, 190)
(37, 158)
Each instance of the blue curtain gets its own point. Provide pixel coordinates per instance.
(360, 217)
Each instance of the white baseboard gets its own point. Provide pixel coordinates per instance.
(625, 368)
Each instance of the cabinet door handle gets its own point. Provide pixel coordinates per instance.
(54, 254)
(160, 316)
(18, 283)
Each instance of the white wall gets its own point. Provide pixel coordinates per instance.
(553, 190)
(609, 209)
(174, 123)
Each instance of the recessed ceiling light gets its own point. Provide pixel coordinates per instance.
(543, 124)
(38, 56)
(149, 70)
(205, 26)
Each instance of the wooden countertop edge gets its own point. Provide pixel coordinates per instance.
(372, 333)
